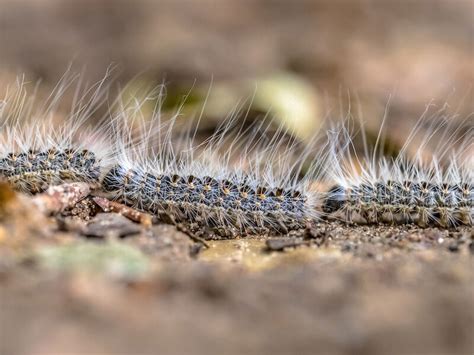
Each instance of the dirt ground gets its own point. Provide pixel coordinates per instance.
(109, 285)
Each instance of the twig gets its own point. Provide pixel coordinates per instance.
(130, 213)
(59, 198)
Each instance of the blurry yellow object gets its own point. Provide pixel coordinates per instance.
(292, 101)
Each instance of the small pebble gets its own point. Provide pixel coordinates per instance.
(454, 248)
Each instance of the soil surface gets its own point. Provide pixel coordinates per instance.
(109, 285)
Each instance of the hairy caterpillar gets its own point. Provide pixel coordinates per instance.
(239, 181)
(428, 191)
(36, 151)
(242, 180)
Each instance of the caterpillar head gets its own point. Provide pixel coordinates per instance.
(114, 179)
(335, 199)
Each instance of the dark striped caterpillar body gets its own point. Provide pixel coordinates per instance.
(255, 178)
(58, 139)
(226, 207)
(34, 171)
(401, 191)
(425, 179)
(424, 203)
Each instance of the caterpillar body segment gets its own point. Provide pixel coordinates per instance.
(35, 171)
(424, 203)
(430, 187)
(243, 179)
(227, 207)
(44, 143)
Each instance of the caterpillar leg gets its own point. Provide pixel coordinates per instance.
(194, 232)
(465, 216)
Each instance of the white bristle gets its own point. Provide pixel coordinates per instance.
(427, 189)
(43, 143)
(246, 178)
(241, 180)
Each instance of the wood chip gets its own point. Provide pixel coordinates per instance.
(59, 198)
(280, 244)
(130, 213)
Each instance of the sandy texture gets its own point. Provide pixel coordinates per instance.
(109, 285)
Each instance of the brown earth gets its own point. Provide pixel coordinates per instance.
(130, 288)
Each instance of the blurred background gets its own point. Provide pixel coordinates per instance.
(302, 60)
